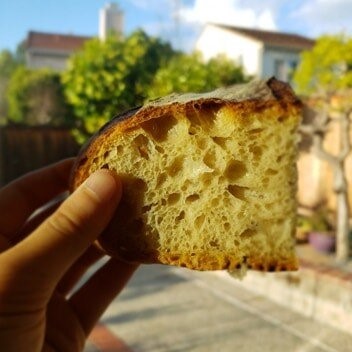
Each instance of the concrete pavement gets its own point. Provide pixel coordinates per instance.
(167, 309)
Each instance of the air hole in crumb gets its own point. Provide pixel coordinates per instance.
(279, 158)
(241, 151)
(207, 179)
(227, 226)
(192, 198)
(271, 172)
(95, 160)
(256, 151)
(282, 118)
(214, 243)
(173, 198)
(143, 152)
(141, 140)
(248, 233)
(185, 186)
(159, 149)
(221, 141)
(192, 131)
(235, 170)
(106, 154)
(175, 167)
(238, 191)
(105, 166)
(210, 160)
(203, 114)
(119, 149)
(199, 221)
(141, 143)
(256, 130)
(159, 127)
(202, 143)
(161, 179)
(180, 216)
(265, 181)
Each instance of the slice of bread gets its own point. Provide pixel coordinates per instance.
(209, 180)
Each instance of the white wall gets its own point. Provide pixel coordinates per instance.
(272, 58)
(39, 58)
(246, 51)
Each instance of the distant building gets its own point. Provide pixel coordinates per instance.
(110, 20)
(52, 50)
(261, 53)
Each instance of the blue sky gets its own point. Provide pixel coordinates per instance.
(178, 21)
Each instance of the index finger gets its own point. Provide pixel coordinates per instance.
(21, 197)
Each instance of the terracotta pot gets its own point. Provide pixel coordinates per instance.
(323, 241)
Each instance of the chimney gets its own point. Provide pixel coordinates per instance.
(110, 20)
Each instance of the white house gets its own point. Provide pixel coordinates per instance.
(52, 50)
(261, 53)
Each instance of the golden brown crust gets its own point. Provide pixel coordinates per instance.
(276, 94)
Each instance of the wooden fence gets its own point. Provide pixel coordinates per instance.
(23, 149)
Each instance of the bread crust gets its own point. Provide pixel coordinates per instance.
(254, 98)
(272, 93)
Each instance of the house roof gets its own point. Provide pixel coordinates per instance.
(271, 38)
(55, 41)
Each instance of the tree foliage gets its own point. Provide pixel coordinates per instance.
(190, 73)
(327, 67)
(326, 73)
(110, 76)
(8, 64)
(35, 97)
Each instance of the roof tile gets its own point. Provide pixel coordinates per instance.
(272, 38)
(55, 41)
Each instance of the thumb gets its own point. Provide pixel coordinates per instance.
(53, 247)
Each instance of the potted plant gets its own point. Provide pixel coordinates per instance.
(304, 227)
(322, 237)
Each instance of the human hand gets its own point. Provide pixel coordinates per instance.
(43, 256)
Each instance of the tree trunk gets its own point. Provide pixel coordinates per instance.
(342, 221)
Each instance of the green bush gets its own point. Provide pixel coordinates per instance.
(108, 77)
(35, 97)
(190, 73)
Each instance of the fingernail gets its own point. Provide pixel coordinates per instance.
(103, 184)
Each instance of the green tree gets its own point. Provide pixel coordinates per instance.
(8, 64)
(110, 76)
(35, 97)
(327, 67)
(325, 72)
(190, 73)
